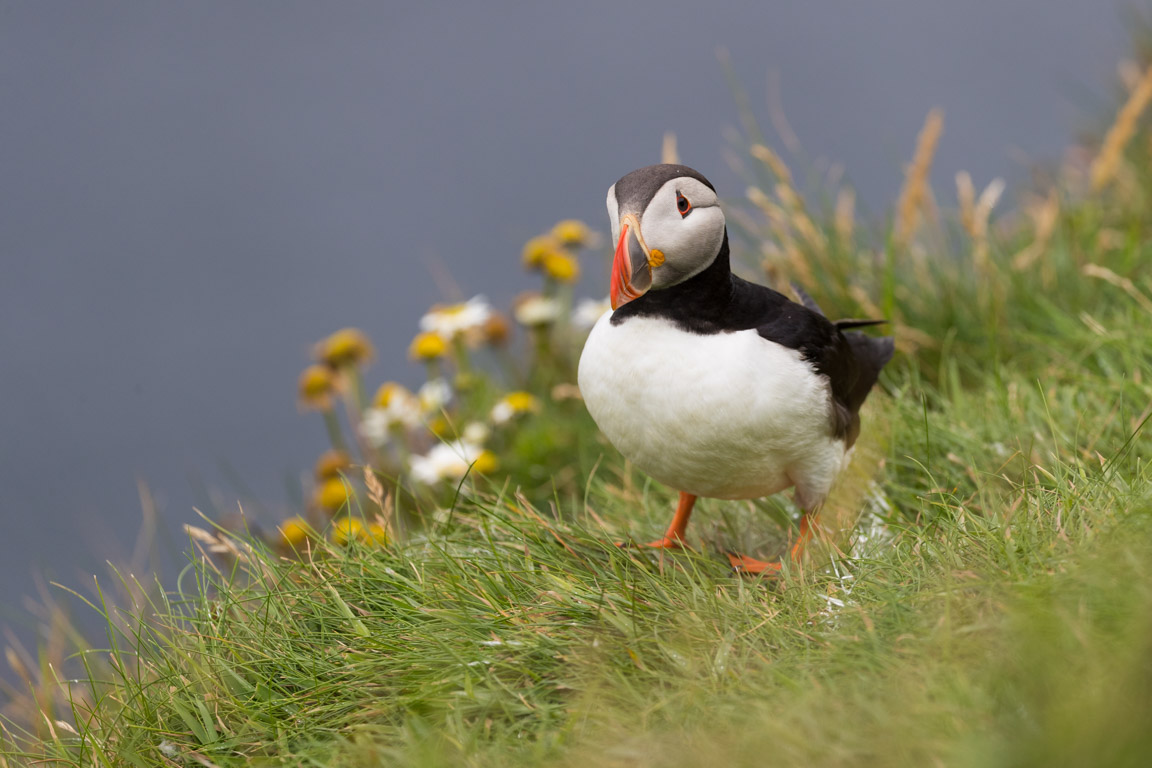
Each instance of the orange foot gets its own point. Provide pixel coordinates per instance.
(750, 566)
(665, 543)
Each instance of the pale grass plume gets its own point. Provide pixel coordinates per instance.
(987, 201)
(844, 221)
(797, 216)
(781, 226)
(975, 212)
(1044, 214)
(779, 169)
(913, 194)
(801, 222)
(908, 339)
(1130, 74)
(1109, 239)
(776, 114)
(382, 501)
(668, 152)
(966, 197)
(1108, 160)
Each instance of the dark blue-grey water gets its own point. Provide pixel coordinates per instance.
(192, 193)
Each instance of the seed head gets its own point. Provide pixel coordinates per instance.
(331, 464)
(316, 386)
(348, 346)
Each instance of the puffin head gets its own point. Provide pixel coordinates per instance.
(668, 227)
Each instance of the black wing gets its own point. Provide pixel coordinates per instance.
(851, 361)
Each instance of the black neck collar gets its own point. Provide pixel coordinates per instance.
(700, 304)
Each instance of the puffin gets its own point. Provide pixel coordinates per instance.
(710, 384)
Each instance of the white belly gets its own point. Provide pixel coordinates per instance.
(728, 415)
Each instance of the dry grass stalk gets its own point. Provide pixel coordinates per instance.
(777, 117)
(986, 202)
(798, 219)
(975, 212)
(912, 196)
(773, 161)
(908, 339)
(782, 227)
(1044, 216)
(382, 501)
(845, 217)
(1123, 283)
(867, 306)
(1110, 239)
(1111, 153)
(801, 222)
(966, 197)
(668, 152)
(1130, 74)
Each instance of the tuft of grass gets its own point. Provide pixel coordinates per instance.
(982, 595)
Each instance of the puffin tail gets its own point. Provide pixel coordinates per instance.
(872, 354)
(811, 304)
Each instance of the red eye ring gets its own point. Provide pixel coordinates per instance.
(683, 205)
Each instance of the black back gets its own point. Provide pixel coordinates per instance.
(716, 301)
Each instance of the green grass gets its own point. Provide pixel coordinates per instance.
(987, 600)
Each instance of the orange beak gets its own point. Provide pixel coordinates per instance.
(631, 270)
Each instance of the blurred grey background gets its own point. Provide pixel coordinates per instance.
(192, 193)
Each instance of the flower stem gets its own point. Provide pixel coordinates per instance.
(335, 436)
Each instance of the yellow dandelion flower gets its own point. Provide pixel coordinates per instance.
(316, 387)
(333, 494)
(331, 464)
(375, 534)
(428, 345)
(293, 532)
(486, 463)
(538, 249)
(522, 401)
(348, 346)
(562, 267)
(345, 530)
(571, 232)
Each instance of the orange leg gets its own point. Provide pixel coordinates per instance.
(674, 537)
(752, 567)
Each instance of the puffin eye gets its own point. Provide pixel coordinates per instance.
(683, 205)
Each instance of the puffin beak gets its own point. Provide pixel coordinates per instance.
(632, 265)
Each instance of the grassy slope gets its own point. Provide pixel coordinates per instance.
(993, 606)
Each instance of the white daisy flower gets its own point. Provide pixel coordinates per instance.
(450, 461)
(452, 320)
(396, 407)
(537, 310)
(588, 311)
(434, 395)
(374, 427)
(476, 433)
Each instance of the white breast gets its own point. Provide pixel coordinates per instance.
(728, 415)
